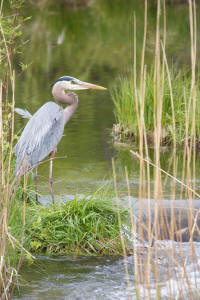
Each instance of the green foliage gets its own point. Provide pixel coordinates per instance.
(123, 96)
(10, 31)
(11, 25)
(86, 226)
(28, 193)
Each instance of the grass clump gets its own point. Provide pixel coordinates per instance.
(86, 226)
(127, 107)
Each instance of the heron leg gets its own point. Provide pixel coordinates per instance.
(52, 154)
(36, 184)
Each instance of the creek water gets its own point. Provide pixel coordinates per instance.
(93, 44)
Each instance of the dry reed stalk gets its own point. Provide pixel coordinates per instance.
(157, 111)
(136, 263)
(193, 40)
(121, 232)
(142, 141)
(6, 281)
(5, 180)
(135, 154)
(171, 256)
(172, 227)
(8, 185)
(161, 226)
(140, 100)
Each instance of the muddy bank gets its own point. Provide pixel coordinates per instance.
(121, 134)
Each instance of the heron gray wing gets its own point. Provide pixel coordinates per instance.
(41, 135)
(23, 112)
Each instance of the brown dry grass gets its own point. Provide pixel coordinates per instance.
(155, 224)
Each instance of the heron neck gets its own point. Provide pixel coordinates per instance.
(60, 95)
(69, 98)
(70, 110)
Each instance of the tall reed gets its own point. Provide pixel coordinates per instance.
(9, 247)
(154, 224)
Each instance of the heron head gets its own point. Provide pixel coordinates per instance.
(71, 83)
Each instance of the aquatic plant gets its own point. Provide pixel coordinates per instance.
(158, 105)
(125, 103)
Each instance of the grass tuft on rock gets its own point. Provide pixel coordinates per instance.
(86, 226)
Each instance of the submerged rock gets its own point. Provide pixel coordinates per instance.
(177, 220)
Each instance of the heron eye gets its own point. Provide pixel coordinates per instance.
(72, 82)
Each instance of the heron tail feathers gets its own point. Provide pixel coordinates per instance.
(24, 113)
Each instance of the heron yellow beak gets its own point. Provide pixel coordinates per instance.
(82, 85)
(95, 87)
(91, 86)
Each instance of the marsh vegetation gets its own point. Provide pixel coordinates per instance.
(174, 115)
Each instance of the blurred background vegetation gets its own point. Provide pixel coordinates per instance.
(95, 39)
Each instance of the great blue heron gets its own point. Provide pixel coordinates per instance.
(44, 130)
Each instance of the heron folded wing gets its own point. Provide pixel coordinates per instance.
(41, 134)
